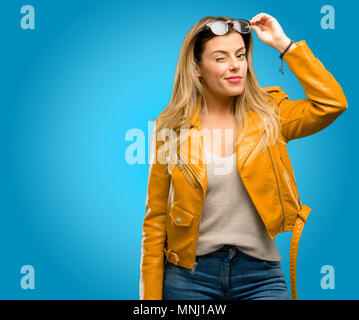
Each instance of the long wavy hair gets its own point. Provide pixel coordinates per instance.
(187, 88)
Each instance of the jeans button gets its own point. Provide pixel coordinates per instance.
(232, 251)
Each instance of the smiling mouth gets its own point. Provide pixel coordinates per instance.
(234, 79)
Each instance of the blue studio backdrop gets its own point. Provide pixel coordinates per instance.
(90, 74)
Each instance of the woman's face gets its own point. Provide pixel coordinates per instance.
(223, 57)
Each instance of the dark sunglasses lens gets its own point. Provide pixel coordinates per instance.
(241, 26)
(219, 28)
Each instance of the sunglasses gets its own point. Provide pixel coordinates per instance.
(220, 27)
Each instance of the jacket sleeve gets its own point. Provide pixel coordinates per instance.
(154, 229)
(325, 98)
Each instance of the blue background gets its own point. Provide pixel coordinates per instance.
(72, 207)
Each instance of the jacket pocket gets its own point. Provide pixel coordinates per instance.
(181, 217)
(180, 234)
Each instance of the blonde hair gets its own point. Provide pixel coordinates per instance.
(187, 88)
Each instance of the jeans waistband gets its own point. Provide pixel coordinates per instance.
(224, 250)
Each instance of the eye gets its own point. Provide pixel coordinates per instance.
(242, 55)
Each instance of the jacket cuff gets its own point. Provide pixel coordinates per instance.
(301, 56)
(299, 47)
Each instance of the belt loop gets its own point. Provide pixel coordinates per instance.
(171, 256)
(175, 258)
(303, 213)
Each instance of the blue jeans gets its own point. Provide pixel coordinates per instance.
(225, 274)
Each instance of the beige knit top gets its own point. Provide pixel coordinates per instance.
(228, 214)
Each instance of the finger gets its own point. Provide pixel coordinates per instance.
(260, 16)
(253, 19)
(256, 29)
(256, 16)
(266, 17)
(260, 19)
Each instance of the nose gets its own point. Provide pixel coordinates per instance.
(234, 63)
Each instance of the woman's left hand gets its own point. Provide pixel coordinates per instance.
(270, 32)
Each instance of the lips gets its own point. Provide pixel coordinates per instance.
(234, 79)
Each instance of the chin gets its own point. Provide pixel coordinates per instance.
(233, 93)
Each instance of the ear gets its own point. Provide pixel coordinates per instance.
(198, 71)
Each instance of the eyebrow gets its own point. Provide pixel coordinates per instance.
(221, 51)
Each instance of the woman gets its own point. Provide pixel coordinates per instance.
(209, 234)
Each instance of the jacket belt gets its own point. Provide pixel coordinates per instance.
(294, 243)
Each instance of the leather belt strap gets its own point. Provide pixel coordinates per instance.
(293, 251)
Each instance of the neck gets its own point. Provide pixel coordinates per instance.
(218, 105)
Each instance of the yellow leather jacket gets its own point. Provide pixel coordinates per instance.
(176, 192)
